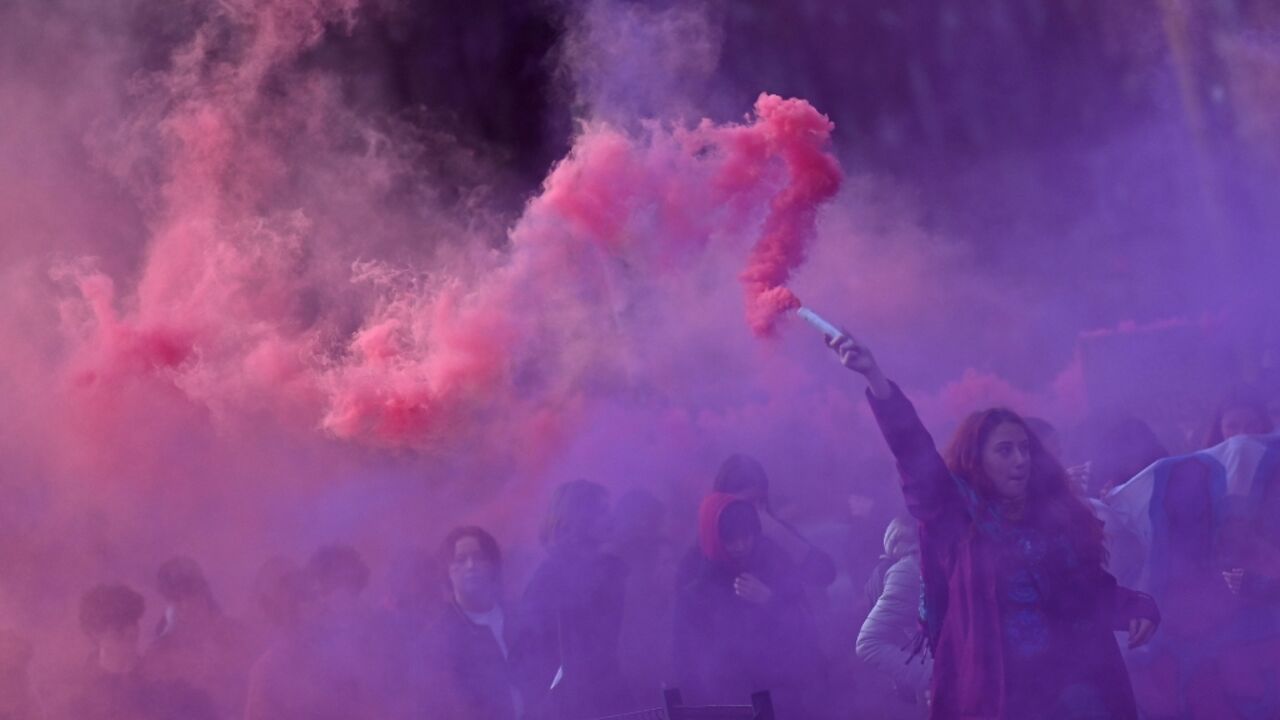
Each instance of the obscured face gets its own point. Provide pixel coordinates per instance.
(1242, 421)
(740, 545)
(473, 576)
(1006, 460)
(739, 531)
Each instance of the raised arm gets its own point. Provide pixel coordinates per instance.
(933, 496)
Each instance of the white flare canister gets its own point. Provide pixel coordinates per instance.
(819, 322)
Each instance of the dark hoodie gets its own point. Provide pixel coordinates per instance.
(727, 647)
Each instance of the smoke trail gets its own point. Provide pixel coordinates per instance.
(799, 134)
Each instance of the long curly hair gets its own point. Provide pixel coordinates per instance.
(1052, 501)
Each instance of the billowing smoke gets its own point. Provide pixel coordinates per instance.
(252, 300)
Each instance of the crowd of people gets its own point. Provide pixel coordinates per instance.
(998, 595)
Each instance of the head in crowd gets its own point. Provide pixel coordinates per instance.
(1119, 448)
(743, 476)
(339, 576)
(1241, 413)
(578, 516)
(728, 529)
(901, 538)
(182, 584)
(474, 564)
(109, 615)
(281, 587)
(418, 581)
(338, 570)
(639, 526)
(998, 456)
(1047, 434)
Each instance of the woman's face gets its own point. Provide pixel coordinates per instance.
(1006, 460)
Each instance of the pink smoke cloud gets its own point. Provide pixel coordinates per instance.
(800, 135)
(436, 357)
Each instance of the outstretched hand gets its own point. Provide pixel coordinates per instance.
(853, 354)
(858, 358)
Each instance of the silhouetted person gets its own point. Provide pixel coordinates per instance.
(744, 476)
(110, 686)
(566, 644)
(641, 539)
(741, 620)
(197, 643)
(334, 659)
(1117, 448)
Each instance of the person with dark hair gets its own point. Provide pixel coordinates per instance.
(1047, 434)
(565, 648)
(1118, 448)
(1241, 413)
(741, 620)
(198, 644)
(110, 686)
(277, 593)
(282, 683)
(339, 572)
(1018, 608)
(640, 537)
(471, 640)
(743, 476)
(336, 658)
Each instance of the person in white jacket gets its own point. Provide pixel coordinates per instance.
(886, 641)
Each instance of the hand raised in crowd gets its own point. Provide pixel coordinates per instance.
(858, 358)
(1140, 632)
(752, 589)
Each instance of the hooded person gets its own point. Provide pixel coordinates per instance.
(743, 476)
(741, 621)
(885, 640)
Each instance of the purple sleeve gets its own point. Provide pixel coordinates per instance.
(932, 495)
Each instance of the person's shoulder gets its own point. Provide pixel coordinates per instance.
(904, 569)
